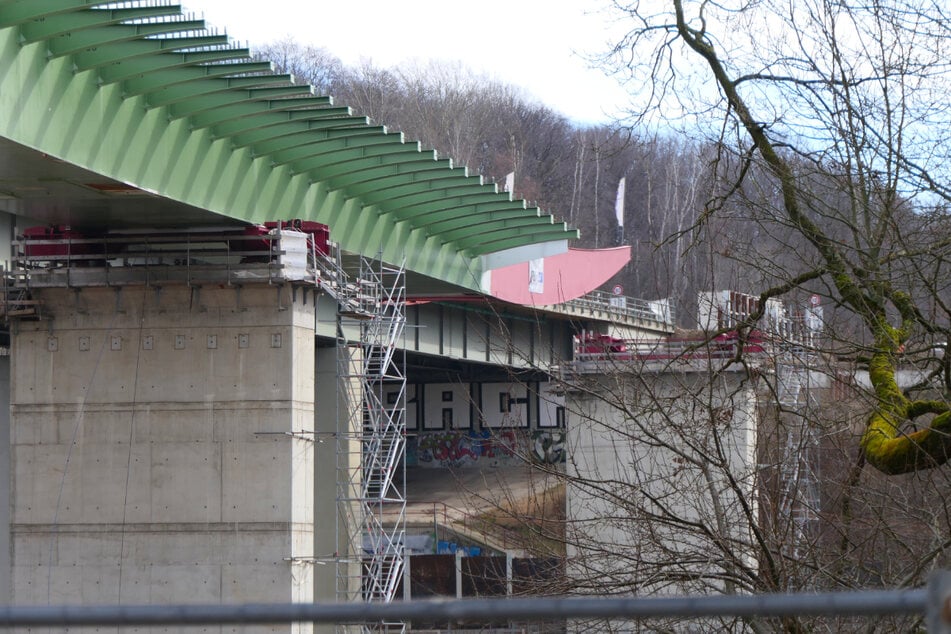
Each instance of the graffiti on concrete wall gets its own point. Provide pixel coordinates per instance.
(461, 448)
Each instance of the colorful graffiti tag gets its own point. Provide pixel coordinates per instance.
(463, 448)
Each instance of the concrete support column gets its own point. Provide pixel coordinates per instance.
(162, 447)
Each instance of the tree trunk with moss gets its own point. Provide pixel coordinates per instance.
(864, 287)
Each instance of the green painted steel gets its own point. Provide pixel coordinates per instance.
(166, 95)
(246, 108)
(145, 74)
(62, 24)
(447, 220)
(252, 130)
(284, 135)
(407, 196)
(140, 93)
(155, 80)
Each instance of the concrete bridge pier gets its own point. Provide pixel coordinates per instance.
(163, 446)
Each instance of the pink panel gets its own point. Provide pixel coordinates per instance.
(566, 276)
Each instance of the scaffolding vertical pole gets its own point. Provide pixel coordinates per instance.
(348, 438)
(371, 496)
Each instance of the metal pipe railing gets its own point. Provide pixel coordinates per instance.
(865, 603)
(625, 307)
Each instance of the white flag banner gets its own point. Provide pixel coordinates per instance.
(619, 203)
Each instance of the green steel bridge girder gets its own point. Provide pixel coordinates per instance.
(260, 123)
(501, 241)
(379, 174)
(204, 103)
(421, 181)
(231, 112)
(124, 51)
(148, 79)
(17, 12)
(354, 159)
(461, 216)
(411, 194)
(179, 93)
(399, 242)
(424, 181)
(148, 70)
(484, 200)
(465, 236)
(268, 138)
(290, 148)
(64, 23)
(91, 38)
(479, 222)
(484, 244)
(150, 112)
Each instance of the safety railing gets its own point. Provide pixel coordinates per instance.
(623, 307)
(932, 602)
(592, 351)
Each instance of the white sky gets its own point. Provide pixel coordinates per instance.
(536, 45)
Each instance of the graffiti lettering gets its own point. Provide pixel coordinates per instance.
(462, 448)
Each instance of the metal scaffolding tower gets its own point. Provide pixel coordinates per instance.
(371, 435)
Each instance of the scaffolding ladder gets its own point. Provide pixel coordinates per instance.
(371, 436)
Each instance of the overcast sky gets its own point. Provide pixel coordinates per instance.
(537, 45)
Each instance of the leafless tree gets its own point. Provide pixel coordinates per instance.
(308, 64)
(836, 107)
(823, 131)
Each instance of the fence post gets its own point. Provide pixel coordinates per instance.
(938, 611)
